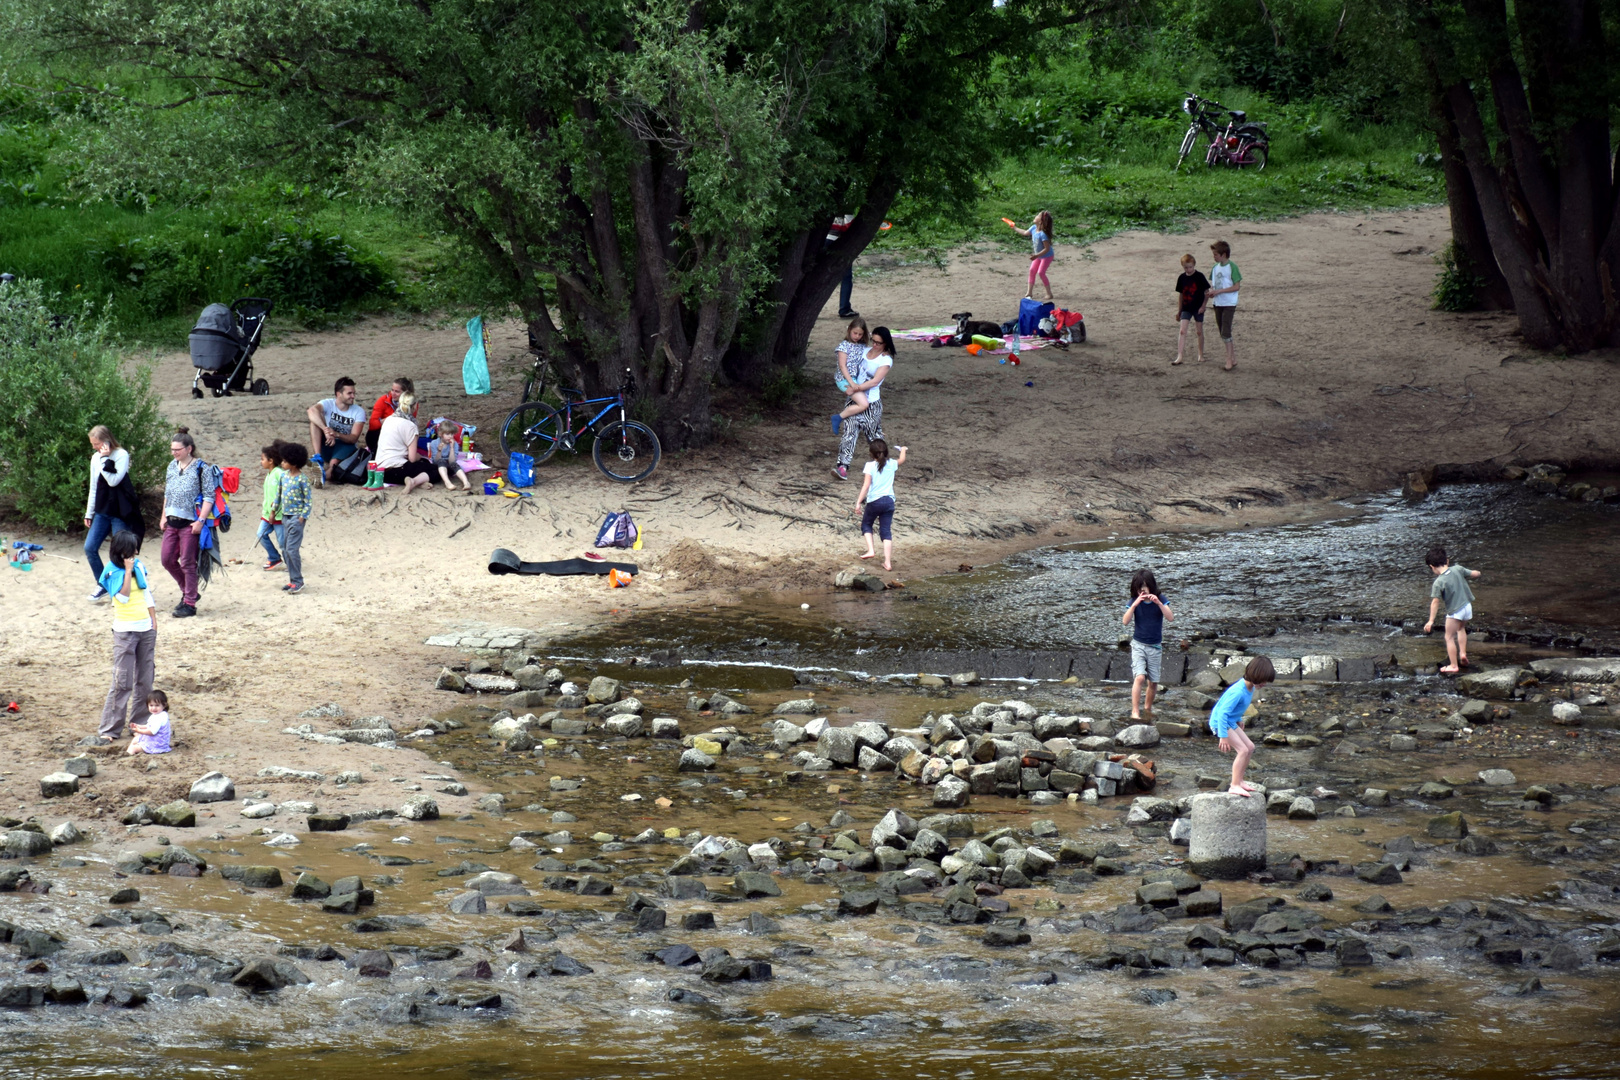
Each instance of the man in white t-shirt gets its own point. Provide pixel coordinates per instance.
(336, 426)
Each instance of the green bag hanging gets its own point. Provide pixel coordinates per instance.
(475, 368)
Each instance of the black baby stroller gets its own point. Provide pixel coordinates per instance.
(222, 346)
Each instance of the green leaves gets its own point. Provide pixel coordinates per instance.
(60, 375)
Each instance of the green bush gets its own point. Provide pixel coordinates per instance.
(1457, 287)
(315, 273)
(59, 377)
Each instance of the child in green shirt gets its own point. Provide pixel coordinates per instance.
(270, 515)
(1450, 592)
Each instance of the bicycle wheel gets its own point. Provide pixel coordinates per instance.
(533, 428)
(1256, 156)
(626, 451)
(1187, 141)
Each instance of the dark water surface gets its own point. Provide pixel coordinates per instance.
(1551, 570)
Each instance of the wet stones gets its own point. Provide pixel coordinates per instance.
(1566, 713)
(752, 883)
(328, 822)
(176, 815)
(1375, 797)
(998, 936)
(374, 964)
(58, 785)
(420, 808)
(1138, 737)
(1315, 892)
(125, 896)
(1497, 778)
(449, 680)
(796, 707)
(1450, 826)
(26, 842)
(1495, 685)
(1401, 744)
(603, 691)
(309, 887)
(1228, 838)
(951, 792)
(35, 944)
(256, 877)
(267, 974)
(1352, 952)
(695, 760)
(471, 902)
(1378, 873)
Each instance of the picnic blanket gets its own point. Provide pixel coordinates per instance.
(503, 561)
(931, 333)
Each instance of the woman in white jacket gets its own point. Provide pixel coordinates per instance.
(106, 512)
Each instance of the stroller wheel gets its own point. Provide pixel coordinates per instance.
(196, 392)
(220, 391)
(261, 387)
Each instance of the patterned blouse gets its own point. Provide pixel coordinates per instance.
(295, 497)
(182, 486)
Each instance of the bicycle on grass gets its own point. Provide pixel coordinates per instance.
(625, 450)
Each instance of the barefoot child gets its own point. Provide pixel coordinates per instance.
(1226, 720)
(1192, 293)
(1450, 591)
(847, 372)
(877, 495)
(270, 514)
(152, 737)
(295, 507)
(1149, 613)
(443, 454)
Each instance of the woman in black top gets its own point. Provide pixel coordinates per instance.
(1192, 292)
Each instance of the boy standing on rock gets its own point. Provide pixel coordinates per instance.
(1451, 593)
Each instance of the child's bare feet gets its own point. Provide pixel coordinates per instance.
(886, 566)
(1449, 670)
(1238, 789)
(1176, 362)
(1248, 785)
(870, 555)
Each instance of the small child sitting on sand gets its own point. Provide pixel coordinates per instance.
(152, 737)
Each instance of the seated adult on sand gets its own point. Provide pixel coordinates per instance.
(397, 455)
(336, 426)
(384, 408)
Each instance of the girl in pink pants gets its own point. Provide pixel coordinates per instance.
(1040, 233)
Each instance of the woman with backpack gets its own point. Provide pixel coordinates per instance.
(188, 502)
(113, 506)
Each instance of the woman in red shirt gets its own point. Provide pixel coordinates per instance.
(384, 408)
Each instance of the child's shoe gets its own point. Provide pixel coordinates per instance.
(841, 471)
(273, 565)
(837, 422)
(295, 589)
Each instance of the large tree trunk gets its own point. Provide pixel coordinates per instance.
(1545, 193)
(1470, 239)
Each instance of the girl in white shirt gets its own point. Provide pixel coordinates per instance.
(875, 503)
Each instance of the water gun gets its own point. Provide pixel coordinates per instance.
(1011, 224)
(988, 342)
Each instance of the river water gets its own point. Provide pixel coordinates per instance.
(881, 996)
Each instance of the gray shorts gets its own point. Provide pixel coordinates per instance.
(1146, 660)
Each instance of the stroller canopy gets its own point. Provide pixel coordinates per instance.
(218, 319)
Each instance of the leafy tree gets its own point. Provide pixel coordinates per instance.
(648, 182)
(1524, 103)
(60, 377)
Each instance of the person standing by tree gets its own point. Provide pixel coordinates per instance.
(846, 288)
(114, 505)
(188, 502)
(875, 362)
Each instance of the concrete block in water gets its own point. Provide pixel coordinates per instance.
(1228, 835)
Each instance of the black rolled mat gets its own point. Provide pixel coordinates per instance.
(502, 561)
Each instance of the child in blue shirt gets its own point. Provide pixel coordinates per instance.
(1226, 720)
(1149, 612)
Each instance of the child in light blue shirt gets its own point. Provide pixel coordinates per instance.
(1226, 720)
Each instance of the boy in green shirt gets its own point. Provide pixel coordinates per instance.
(1450, 592)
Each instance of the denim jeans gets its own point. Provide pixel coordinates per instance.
(102, 526)
(266, 529)
(294, 544)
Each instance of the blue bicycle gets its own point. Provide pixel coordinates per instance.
(625, 450)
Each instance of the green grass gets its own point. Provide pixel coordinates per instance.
(1098, 149)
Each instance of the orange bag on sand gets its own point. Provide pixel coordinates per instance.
(618, 579)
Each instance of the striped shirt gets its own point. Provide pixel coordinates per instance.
(182, 486)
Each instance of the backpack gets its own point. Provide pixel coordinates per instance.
(618, 531)
(352, 469)
(222, 493)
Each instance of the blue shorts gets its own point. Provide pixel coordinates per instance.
(338, 451)
(1195, 316)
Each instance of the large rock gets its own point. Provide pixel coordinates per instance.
(1563, 712)
(1228, 835)
(1452, 826)
(25, 842)
(1495, 685)
(628, 725)
(1591, 670)
(491, 684)
(176, 815)
(951, 792)
(694, 761)
(82, 766)
(895, 830)
(469, 903)
(58, 785)
(1146, 808)
(66, 833)
(796, 707)
(449, 680)
(603, 691)
(212, 787)
(268, 973)
(419, 808)
(1138, 736)
(1319, 668)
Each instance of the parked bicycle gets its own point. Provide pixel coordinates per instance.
(539, 376)
(625, 450)
(1241, 143)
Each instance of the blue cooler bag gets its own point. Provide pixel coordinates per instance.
(520, 470)
(1030, 314)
